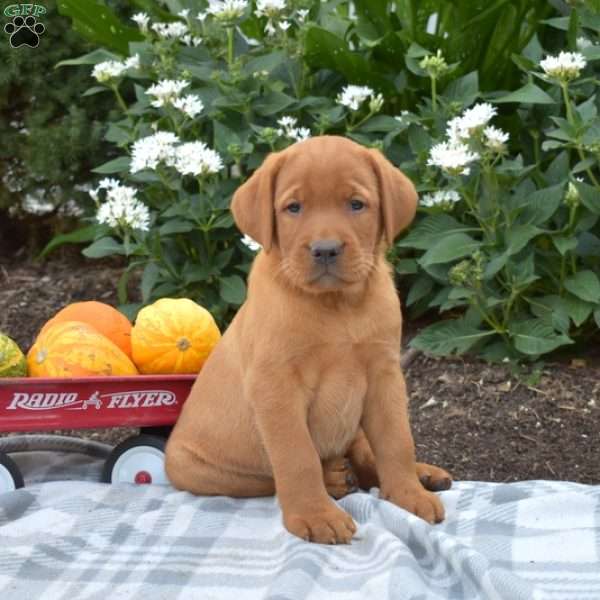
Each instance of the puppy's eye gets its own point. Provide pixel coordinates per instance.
(356, 205)
(293, 208)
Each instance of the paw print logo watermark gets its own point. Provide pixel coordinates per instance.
(24, 29)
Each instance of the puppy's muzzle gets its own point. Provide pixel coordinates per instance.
(326, 252)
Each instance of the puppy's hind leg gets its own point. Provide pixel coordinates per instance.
(188, 472)
(339, 477)
(362, 458)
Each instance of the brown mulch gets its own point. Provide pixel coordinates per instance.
(476, 420)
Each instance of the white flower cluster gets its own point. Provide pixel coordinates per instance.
(470, 123)
(172, 31)
(192, 158)
(227, 10)
(469, 129)
(196, 158)
(113, 69)
(301, 14)
(175, 30)
(191, 105)
(191, 40)
(452, 158)
(148, 152)
(582, 43)
(142, 19)
(564, 67)
(353, 96)
(288, 129)
(269, 8)
(252, 244)
(444, 199)
(272, 9)
(167, 92)
(495, 139)
(121, 208)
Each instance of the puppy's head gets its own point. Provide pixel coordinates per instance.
(324, 205)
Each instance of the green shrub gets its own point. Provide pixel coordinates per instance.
(50, 138)
(506, 240)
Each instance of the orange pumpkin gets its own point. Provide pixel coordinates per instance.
(74, 349)
(173, 335)
(104, 318)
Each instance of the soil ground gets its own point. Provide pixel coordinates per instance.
(476, 420)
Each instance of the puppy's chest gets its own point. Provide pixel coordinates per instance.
(335, 381)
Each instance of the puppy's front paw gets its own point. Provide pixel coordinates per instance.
(326, 524)
(416, 500)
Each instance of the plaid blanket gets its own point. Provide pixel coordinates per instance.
(77, 540)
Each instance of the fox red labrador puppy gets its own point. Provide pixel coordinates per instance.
(305, 388)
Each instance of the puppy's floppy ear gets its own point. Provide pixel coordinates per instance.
(397, 195)
(253, 202)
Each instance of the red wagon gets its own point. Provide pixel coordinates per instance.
(150, 402)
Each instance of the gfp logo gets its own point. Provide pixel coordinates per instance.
(24, 29)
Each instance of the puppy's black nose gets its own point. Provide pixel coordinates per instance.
(325, 252)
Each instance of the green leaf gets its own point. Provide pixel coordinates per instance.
(551, 309)
(495, 264)
(597, 317)
(325, 50)
(535, 336)
(450, 248)
(92, 58)
(578, 310)
(448, 337)
(380, 123)
(232, 289)
(266, 62)
(588, 244)
(419, 140)
(590, 197)
(130, 310)
(176, 226)
(273, 103)
(592, 52)
(117, 135)
(118, 165)
(564, 243)
(192, 273)
(537, 208)
(585, 285)
(149, 279)
(407, 266)
(96, 89)
(465, 89)
(419, 289)
(518, 236)
(224, 136)
(224, 221)
(98, 24)
(105, 246)
(558, 22)
(222, 259)
(430, 229)
(528, 94)
(86, 234)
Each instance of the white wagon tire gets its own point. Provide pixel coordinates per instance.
(139, 459)
(10, 475)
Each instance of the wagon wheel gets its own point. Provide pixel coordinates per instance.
(10, 475)
(138, 459)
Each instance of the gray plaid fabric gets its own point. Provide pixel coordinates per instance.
(77, 540)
